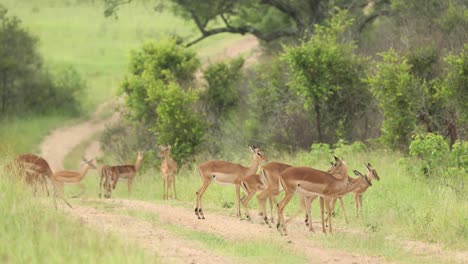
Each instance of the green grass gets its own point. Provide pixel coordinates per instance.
(23, 134)
(34, 233)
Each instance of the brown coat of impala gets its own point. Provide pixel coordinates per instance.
(332, 201)
(73, 177)
(358, 192)
(112, 174)
(37, 171)
(271, 174)
(309, 181)
(224, 172)
(168, 171)
(252, 184)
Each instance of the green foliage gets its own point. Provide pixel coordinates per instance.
(178, 124)
(156, 62)
(432, 149)
(396, 90)
(456, 87)
(325, 71)
(25, 86)
(222, 94)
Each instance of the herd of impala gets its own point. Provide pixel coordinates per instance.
(274, 177)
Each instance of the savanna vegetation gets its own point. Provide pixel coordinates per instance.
(383, 81)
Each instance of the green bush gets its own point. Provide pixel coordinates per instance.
(432, 149)
(25, 85)
(222, 94)
(178, 124)
(397, 92)
(154, 65)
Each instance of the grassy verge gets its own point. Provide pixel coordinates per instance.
(22, 135)
(33, 233)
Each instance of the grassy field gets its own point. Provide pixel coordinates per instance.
(34, 233)
(402, 206)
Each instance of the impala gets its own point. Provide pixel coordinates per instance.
(252, 184)
(73, 177)
(36, 169)
(112, 174)
(168, 171)
(224, 172)
(358, 192)
(309, 199)
(271, 175)
(309, 181)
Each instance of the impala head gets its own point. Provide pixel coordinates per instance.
(338, 166)
(357, 173)
(258, 153)
(140, 155)
(371, 172)
(164, 150)
(89, 163)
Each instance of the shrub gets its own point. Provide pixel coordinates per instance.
(432, 149)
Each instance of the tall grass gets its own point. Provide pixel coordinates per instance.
(402, 204)
(23, 134)
(34, 233)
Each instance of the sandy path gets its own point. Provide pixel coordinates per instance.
(62, 141)
(233, 228)
(169, 248)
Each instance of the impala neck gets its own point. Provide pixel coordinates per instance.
(138, 164)
(354, 184)
(253, 168)
(84, 171)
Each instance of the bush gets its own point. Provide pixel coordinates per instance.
(178, 124)
(222, 94)
(25, 85)
(433, 150)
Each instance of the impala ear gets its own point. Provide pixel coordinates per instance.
(357, 173)
(368, 164)
(252, 148)
(332, 163)
(336, 158)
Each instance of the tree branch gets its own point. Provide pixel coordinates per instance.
(371, 18)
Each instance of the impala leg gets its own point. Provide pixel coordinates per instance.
(332, 207)
(281, 225)
(100, 185)
(308, 203)
(173, 183)
(238, 200)
(272, 201)
(164, 189)
(129, 186)
(321, 214)
(344, 210)
(245, 203)
(356, 202)
(327, 204)
(198, 209)
(360, 203)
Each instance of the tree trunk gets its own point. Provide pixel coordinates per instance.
(318, 121)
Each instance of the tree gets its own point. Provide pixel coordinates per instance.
(19, 60)
(163, 61)
(324, 70)
(397, 92)
(159, 94)
(221, 94)
(279, 19)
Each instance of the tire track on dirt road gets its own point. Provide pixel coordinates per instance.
(234, 229)
(168, 248)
